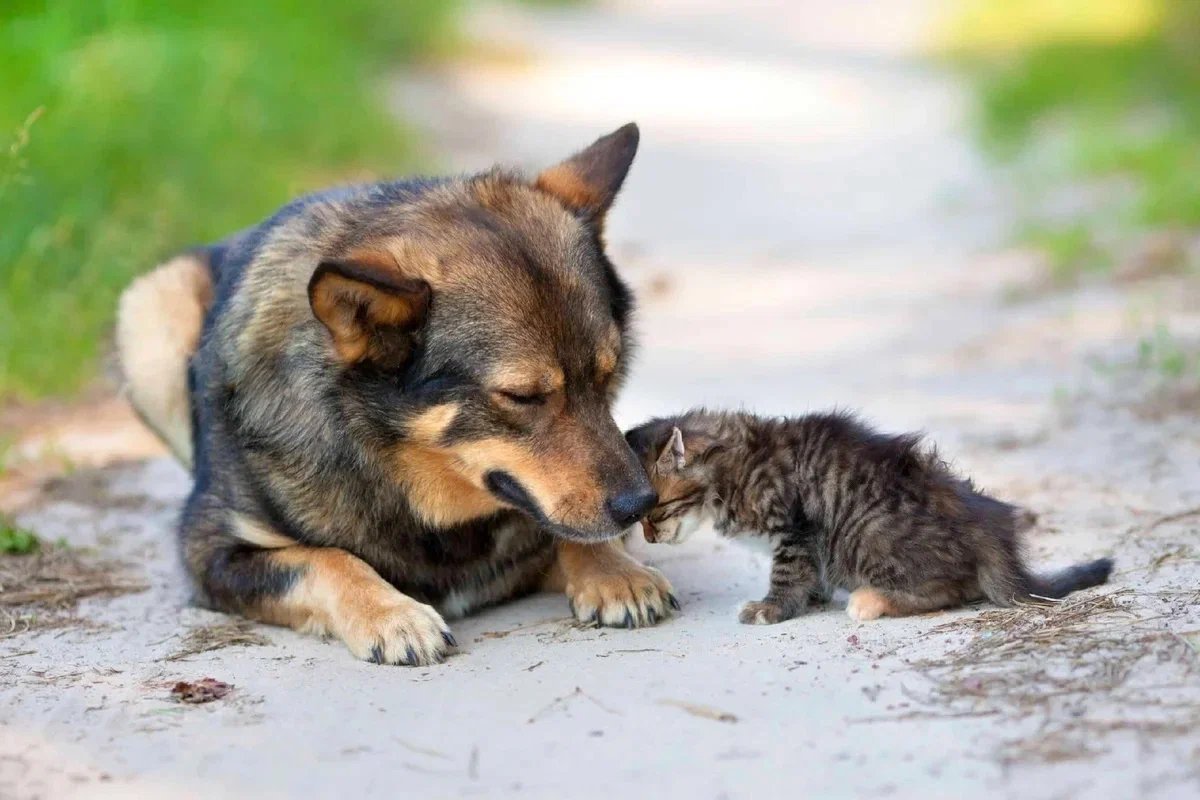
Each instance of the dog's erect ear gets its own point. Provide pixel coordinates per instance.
(671, 459)
(371, 311)
(588, 181)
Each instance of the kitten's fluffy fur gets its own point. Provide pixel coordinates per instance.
(844, 506)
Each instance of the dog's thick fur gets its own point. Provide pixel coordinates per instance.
(396, 402)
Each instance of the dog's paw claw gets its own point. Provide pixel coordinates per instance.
(399, 631)
(630, 597)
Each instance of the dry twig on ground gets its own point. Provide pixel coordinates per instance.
(234, 633)
(1048, 663)
(41, 590)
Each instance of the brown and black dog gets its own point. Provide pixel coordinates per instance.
(395, 399)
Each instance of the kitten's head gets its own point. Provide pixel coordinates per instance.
(676, 457)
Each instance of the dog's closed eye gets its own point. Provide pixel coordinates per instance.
(523, 397)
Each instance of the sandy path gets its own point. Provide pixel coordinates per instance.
(806, 225)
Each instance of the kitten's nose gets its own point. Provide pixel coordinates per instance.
(628, 507)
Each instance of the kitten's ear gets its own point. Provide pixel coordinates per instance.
(672, 456)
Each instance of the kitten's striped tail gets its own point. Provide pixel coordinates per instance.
(1071, 579)
(1005, 582)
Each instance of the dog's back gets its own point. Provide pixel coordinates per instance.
(160, 320)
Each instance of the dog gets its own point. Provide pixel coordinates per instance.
(395, 400)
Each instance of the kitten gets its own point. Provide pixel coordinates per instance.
(843, 506)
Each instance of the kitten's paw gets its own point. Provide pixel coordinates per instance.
(628, 595)
(763, 612)
(401, 631)
(867, 604)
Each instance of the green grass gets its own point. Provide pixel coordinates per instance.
(1084, 91)
(16, 541)
(1164, 354)
(132, 128)
(1070, 248)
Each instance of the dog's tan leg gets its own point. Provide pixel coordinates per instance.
(338, 593)
(325, 590)
(607, 586)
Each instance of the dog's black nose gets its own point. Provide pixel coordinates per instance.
(628, 507)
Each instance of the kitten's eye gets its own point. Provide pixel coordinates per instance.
(528, 399)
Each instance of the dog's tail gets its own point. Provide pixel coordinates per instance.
(159, 318)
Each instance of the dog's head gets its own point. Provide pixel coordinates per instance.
(481, 335)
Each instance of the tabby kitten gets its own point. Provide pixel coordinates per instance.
(844, 507)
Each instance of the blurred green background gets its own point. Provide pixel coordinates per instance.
(1095, 105)
(132, 128)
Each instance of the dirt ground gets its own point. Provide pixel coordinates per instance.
(808, 227)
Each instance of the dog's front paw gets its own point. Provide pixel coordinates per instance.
(763, 612)
(623, 595)
(399, 631)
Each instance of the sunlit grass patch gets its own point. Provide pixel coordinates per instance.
(1093, 95)
(996, 26)
(164, 124)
